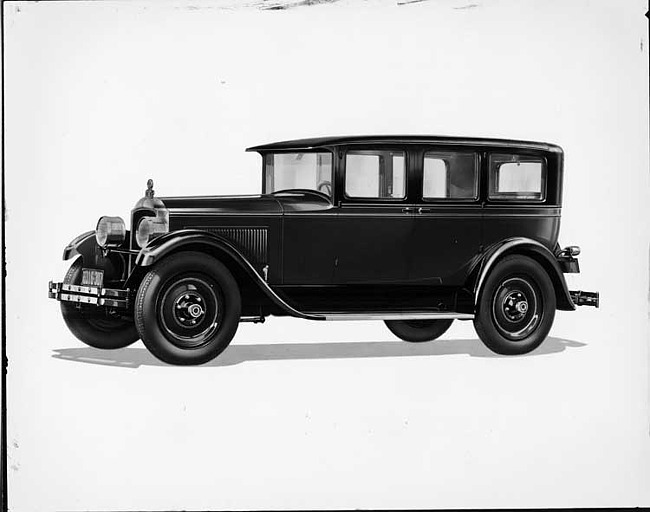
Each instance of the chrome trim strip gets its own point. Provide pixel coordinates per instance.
(492, 216)
(414, 315)
(219, 212)
(88, 290)
(87, 299)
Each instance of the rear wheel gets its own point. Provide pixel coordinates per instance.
(418, 330)
(187, 309)
(516, 308)
(96, 328)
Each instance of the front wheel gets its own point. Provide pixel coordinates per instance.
(187, 309)
(93, 327)
(516, 308)
(418, 330)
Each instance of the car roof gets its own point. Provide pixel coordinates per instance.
(318, 142)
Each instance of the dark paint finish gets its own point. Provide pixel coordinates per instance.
(373, 243)
(305, 252)
(446, 238)
(349, 244)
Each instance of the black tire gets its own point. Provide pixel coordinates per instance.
(187, 308)
(417, 331)
(94, 330)
(516, 308)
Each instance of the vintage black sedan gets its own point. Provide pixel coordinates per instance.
(413, 230)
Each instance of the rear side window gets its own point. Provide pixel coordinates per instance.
(450, 175)
(375, 174)
(517, 177)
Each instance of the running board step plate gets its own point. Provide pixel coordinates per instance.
(392, 315)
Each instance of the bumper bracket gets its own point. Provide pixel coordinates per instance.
(581, 298)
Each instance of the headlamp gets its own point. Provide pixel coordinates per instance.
(110, 231)
(151, 227)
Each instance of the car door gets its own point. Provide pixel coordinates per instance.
(301, 181)
(375, 217)
(448, 215)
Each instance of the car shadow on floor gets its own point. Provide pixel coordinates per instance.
(134, 357)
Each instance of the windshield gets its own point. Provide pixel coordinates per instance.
(286, 171)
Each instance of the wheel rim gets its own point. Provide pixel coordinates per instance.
(517, 308)
(190, 310)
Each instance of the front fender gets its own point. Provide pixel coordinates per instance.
(165, 244)
(535, 250)
(194, 239)
(83, 244)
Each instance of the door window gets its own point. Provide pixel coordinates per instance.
(516, 177)
(448, 175)
(375, 174)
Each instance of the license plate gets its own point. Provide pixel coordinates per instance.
(92, 277)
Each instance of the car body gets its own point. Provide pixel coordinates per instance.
(413, 230)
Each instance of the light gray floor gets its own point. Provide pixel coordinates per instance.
(299, 414)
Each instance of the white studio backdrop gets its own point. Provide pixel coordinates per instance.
(101, 96)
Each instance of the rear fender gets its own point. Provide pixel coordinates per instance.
(534, 250)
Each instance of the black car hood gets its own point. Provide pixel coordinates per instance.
(223, 204)
(251, 204)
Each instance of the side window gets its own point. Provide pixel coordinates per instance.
(450, 175)
(517, 177)
(375, 174)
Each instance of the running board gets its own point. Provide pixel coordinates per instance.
(392, 315)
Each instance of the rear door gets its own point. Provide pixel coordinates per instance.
(448, 217)
(375, 220)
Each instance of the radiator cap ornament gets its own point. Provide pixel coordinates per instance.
(149, 201)
(149, 192)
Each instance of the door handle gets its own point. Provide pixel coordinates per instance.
(424, 210)
(408, 209)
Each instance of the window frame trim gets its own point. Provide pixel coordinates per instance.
(477, 177)
(527, 158)
(364, 200)
(294, 151)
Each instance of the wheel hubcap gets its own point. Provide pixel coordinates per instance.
(190, 310)
(517, 308)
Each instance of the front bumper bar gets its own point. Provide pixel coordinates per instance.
(110, 297)
(581, 298)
